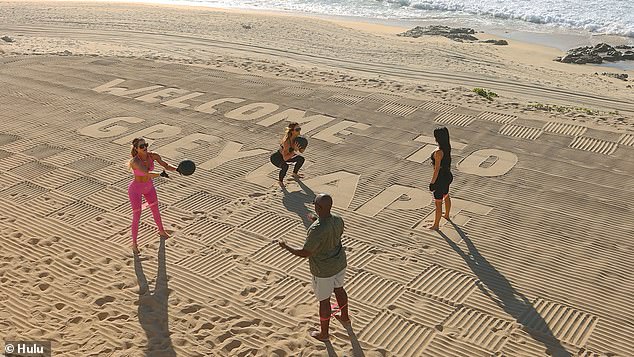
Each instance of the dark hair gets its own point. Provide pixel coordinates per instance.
(442, 138)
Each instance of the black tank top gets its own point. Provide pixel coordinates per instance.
(445, 162)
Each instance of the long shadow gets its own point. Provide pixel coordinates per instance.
(153, 308)
(295, 201)
(504, 295)
(330, 349)
(357, 351)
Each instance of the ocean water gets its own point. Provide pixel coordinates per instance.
(611, 17)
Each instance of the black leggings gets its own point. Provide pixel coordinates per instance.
(298, 160)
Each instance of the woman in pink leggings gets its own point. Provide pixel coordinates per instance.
(142, 164)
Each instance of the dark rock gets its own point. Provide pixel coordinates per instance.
(496, 42)
(581, 58)
(603, 47)
(612, 55)
(621, 76)
(628, 55)
(7, 39)
(590, 58)
(595, 54)
(624, 47)
(465, 30)
(457, 34)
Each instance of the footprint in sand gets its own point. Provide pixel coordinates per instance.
(33, 241)
(91, 270)
(104, 300)
(449, 330)
(429, 250)
(247, 323)
(232, 345)
(117, 286)
(222, 338)
(400, 311)
(279, 353)
(123, 317)
(205, 326)
(191, 309)
(103, 315)
(248, 290)
(47, 242)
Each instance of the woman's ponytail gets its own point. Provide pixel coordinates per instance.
(134, 151)
(289, 131)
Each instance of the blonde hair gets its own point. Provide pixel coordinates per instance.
(289, 131)
(134, 152)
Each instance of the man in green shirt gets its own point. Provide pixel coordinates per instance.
(327, 259)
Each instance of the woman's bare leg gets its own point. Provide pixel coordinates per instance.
(447, 207)
(438, 213)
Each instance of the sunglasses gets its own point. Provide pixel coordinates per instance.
(298, 129)
(143, 146)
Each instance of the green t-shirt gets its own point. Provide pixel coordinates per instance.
(324, 241)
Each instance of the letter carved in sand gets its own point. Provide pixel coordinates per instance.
(414, 198)
(503, 162)
(328, 134)
(106, 129)
(121, 91)
(157, 131)
(309, 123)
(188, 142)
(230, 152)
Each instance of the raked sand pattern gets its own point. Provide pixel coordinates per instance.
(536, 262)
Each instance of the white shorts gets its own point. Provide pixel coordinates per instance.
(324, 287)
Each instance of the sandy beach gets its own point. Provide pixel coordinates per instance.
(536, 260)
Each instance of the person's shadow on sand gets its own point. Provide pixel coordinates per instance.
(513, 302)
(153, 308)
(295, 201)
(357, 351)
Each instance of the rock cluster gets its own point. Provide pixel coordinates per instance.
(457, 34)
(496, 42)
(597, 54)
(460, 34)
(621, 76)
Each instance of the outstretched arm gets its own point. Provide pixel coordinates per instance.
(158, 159)
(303, 253)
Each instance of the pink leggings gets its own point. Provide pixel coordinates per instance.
(147, 190)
